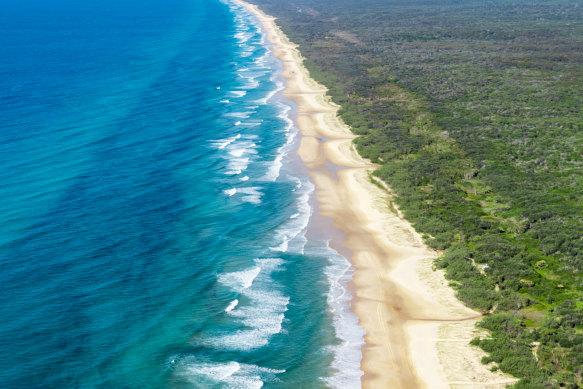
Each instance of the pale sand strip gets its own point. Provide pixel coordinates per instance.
(417, 332)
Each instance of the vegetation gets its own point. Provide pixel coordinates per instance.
(473, 109)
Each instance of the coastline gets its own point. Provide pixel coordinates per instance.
(417, 332)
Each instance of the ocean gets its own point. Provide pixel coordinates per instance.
(157, 227)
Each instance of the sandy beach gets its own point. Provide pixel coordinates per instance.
(417, 332)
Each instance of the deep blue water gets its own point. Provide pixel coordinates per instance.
(154, 216)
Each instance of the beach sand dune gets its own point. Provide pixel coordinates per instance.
(417, 332)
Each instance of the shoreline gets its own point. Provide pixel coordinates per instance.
(417, 332)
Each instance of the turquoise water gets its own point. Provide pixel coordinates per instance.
(155, 219)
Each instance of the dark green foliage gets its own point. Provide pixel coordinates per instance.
(475, 289)
(510, 348)
(474, 110)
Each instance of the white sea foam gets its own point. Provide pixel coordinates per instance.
(252, 123)
(252, 194)
(260, 62)
(276, 165)
(250, 84)
(250, 77)
(240, 148)
(264, 310)
(222, 143)
(232, 305)
(291, 234)
(348, 354)
(253, 72)
(238, 93)
(226, 101)
(270, 94)
(230, 192)
(241, 279)
(237, 165)
(237, 152)
(245, 340)
(274, 168)
(289, 123)
(216, 371)
(283, 246)
(246, 178)
(239, 115)
(231, 375)
(243, 37)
